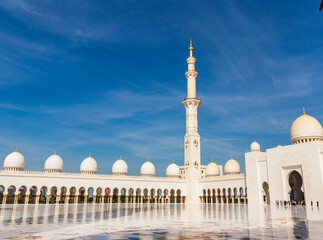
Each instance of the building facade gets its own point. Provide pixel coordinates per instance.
(281, 173)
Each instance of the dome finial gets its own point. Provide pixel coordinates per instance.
(191, 46)
(148, 159)
(212, 159)
(304, 111)
(120, 157)
(231, 156)
(55, 152)
(89, 154)
(172, 161)
(16, 149)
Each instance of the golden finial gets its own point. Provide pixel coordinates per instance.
(254, 140)
(212, 159)
(148, 159)
(231, 157)
(16, 149)
(120, 157)
(172, 161)
(55, 152)
(89, 155)
(191, 47)
(304, 111)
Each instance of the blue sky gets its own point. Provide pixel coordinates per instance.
(107, 77)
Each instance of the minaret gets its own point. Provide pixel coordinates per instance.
(192, 153)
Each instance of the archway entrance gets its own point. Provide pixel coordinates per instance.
(265, 188)
(295, 181)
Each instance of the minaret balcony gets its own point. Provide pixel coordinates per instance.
(191, 73)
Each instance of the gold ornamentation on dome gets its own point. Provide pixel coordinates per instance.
(231, 157)
(89, 155)
(55, 152)
(120, 158)
(148, 159)
(191, 47)
(173, 161)
(304, 111)
(16, 149)
(212, 159)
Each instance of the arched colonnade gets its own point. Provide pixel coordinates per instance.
(225, 195)
(68, 195)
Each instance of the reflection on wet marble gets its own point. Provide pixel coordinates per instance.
(157, 221)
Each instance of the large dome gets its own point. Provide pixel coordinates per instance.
(306, 129)
(172, 170)
(89, 166)
(212, 169)
(255, 147)
(54, 164)
(148, 169)
(232, 167)
(120, 167)
(14, 162)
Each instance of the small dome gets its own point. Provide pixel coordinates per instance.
(255, 147)
(89, 166)
(54, 164)
(306, 129)
(232, 167)
(172, 170)
(147, 169)
(15, 161)
(212, 170)
(120, 167)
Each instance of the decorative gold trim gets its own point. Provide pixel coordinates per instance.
(191, 71)
(191, 47)
(304, 112)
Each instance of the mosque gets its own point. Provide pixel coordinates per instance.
(293, 172)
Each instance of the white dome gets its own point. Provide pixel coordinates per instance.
(120, 167)
(14, 161)
(172, 170)
(89, 166)
(147, 169)
(54, 164)
(212, 169)
(255, 147)
(306, 129)
(232, 167)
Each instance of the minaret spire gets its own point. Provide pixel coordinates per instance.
(191, 74)
(191, 48)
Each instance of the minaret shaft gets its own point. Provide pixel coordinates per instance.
(192, 153)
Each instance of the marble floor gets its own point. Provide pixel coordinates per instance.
(157, 221)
